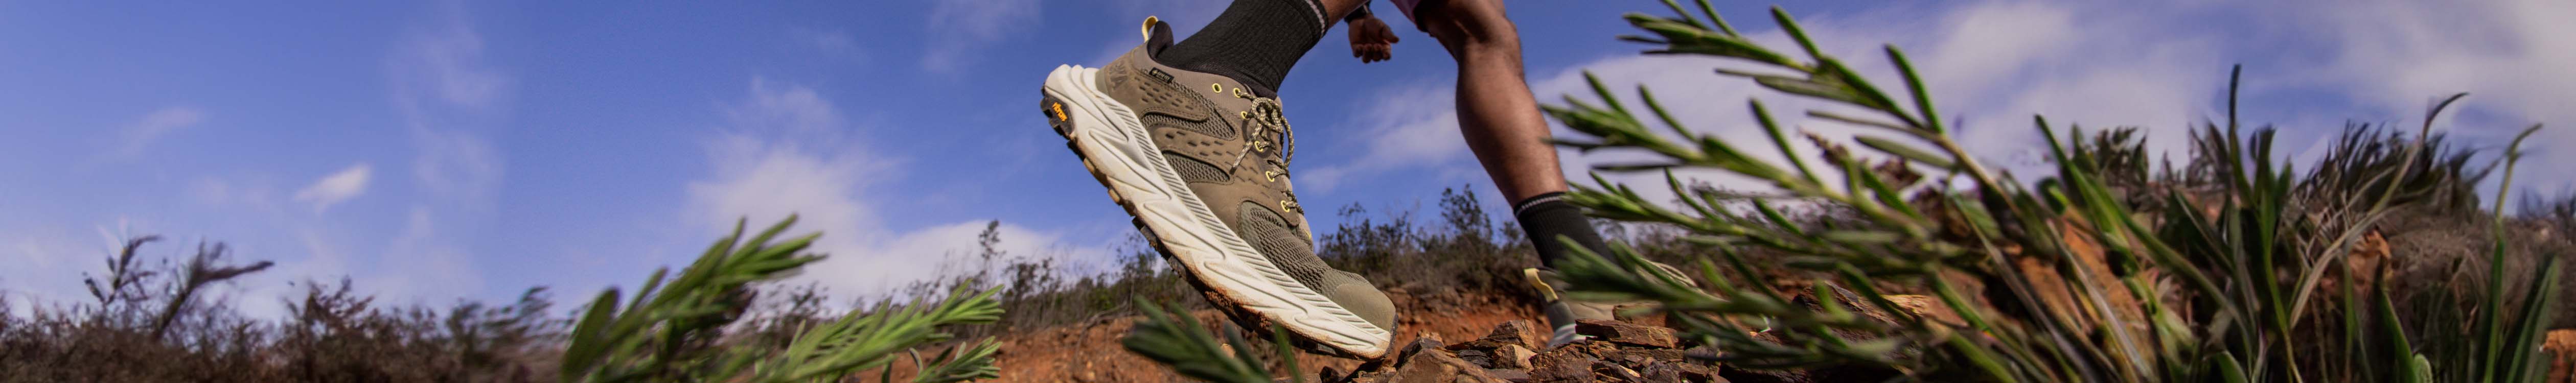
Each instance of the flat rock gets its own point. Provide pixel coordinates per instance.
(1661, 373)
(1642, 357)
(1512, 356)
(1514, 332)
(1560, 368)
(1626, 333)
(1434, 365)
(1480, 358)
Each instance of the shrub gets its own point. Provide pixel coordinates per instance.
(2080, 284)
(671, 332)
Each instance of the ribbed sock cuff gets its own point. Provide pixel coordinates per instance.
(1253, 41)
(1546, 217)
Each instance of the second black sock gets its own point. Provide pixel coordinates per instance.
(1254, 41)
(1548, 216)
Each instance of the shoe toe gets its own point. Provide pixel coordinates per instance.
(1357, 295)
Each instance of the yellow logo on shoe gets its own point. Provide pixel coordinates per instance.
(1059, 111)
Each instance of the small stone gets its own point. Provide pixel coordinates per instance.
(1661, 373)
(1421, 342)
(1512, 356)
(1560, 368)
(1480, 358)
(1642, 357)
(1434, 365)
(1625, 333)
(1515, 332)
(1624, 373)
(1692, 371)
(1509, 375)
(1519, 332)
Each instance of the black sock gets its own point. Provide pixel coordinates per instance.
(1254, 41)
(1548, 216)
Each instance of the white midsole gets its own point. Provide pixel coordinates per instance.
(1123, 152)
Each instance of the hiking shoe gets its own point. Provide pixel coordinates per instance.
(1202, 164)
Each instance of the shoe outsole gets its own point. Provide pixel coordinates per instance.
(1121, 154)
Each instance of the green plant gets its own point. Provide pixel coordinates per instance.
(2080, 285)
(1168, 336)
(668, 332)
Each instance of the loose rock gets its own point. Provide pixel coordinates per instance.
(1512, 356)
(1434, 365)
(1625, 333)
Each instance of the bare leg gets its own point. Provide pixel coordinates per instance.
(1496, 113)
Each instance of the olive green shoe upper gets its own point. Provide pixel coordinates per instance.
(1232, 148)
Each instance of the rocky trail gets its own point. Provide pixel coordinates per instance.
(1090, 351)
(1498, 339)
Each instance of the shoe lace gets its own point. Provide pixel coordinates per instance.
(1267, 132)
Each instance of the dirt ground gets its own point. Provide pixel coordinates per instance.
(1091, 352)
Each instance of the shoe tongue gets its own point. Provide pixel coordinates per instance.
(1158, 38)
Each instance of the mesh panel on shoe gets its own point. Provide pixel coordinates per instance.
(1212, 127)
(1166, 95)
(1269, 233)
(1193, 170)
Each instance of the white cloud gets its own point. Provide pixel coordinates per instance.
(448, 97)
(458, 165)
(832, 43)
(1414, 126)
(140, 135)
(958, 28)
(446, 93)
(443, 64)
(784, 152)
(2512, 56)
(423, 264)
(47, 263)
(339, 186)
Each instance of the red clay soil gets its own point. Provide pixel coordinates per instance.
(1090, 352)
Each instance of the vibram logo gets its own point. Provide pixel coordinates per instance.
(1159, 75)
(1058, 107)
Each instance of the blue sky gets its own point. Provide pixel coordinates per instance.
(445, 150)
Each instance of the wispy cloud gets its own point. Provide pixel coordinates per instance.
(784, 151)
(1410, 127)
(339, 186)
(2512, 56)
(134, 138)
(449, 98)
(838, 44)
(958, 28)
(446, 95)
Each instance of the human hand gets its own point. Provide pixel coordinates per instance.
(1371, 40)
